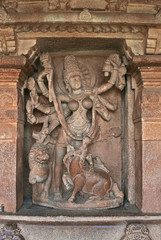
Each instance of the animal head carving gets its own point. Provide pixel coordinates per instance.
(39, 153)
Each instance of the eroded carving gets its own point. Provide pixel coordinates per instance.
(3, 14)
(11, 231)
(7, 40)
(59, 4)
(10, 5)
(59, 177)
(116, 5)
(158, 15)
(85, 15)
(136, 231)
(40, 167)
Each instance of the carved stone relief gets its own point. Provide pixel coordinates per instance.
(85, 15)
(116, 5)
(3, 14)
(154, 41)
(136, 231)
(10, 231)
(130, 6)
(59, 4)
(63, 171)
(10, 5)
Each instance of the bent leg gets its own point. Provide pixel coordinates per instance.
(79, 182)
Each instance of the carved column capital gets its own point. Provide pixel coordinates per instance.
(10, 61)
(11, 231)
(14, 70)
(146, 70)
(136, 231)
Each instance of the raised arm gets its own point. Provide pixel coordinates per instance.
(117, 70)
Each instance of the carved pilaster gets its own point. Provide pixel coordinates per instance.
(11, 132)
(147, 121)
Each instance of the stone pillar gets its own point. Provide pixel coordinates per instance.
(147, 121)
(11, 132)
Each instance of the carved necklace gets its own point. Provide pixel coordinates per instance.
(77, 97)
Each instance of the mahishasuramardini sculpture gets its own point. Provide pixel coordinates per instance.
(63, 172)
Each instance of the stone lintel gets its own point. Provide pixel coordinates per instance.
(96, 17)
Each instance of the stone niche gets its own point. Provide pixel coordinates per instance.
(101, 63)
(113, 106)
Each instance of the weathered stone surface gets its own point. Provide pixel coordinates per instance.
(129, 145)
(8, 97)
(8, 175)
(151, 177)
(8, 115)
(8, 131)
(151, 131)
(71, 233)
(138, 170)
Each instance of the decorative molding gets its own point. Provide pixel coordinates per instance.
(136, 231)
(80, 28)
(7, 40)
(11, 231)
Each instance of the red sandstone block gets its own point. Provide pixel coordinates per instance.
(151, 131)
(8, 175)
(152, 112)
(138, 130)
(138, 148)
(8, 131)
(151, 169)
(8, 115)
(8, 98)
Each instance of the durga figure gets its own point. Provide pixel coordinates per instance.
(69, 168)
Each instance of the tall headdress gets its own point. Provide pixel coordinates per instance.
(71, 67)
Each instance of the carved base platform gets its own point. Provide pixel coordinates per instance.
(124, 223)
(103, 204)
